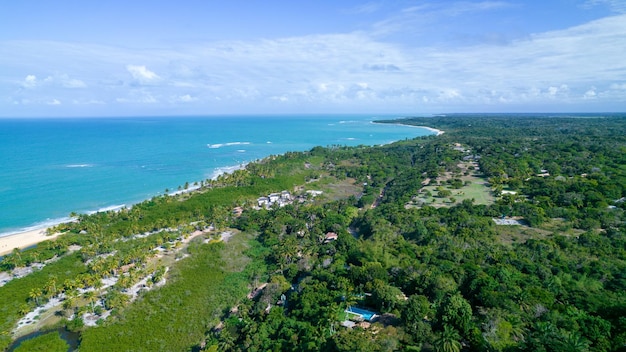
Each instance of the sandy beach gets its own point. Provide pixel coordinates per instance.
(23, 240)
(439, 132)
(26, 239)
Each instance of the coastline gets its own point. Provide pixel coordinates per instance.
(434, 130)
(439, 132)
(23, 240)
(31, 236)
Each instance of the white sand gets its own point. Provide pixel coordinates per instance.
(23, 240)
(438, 132)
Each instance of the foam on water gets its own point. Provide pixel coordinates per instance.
(79, 165)
(229, 144)
(109, 208)
(225, 170)
(38, 226)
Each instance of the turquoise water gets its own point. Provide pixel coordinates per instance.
(51, 167)
(366, 314)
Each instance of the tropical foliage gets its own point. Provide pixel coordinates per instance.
(442, 276)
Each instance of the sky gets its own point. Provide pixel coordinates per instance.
(209, 57)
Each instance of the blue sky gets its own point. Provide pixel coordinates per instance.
(126, 58)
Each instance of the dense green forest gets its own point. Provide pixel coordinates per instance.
(502, 234)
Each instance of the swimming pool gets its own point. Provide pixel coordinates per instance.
(364, 313)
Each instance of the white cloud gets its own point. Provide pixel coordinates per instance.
(30, 81)
(449, 94)
(591, 93)
(417, 19)
(88, 102)
(185, 98)
(280, 98)
(142, 74)
(618, 6)
(366, 8)
(54, 102)
(73, 83)
(555, 92)
(58, 80)
(352, 70)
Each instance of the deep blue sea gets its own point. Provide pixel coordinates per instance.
(51, 167)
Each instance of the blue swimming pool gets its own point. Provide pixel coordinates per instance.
(366, 314)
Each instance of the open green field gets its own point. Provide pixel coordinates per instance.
(474, 189)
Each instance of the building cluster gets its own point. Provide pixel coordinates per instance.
(284, 198)
(281, 199)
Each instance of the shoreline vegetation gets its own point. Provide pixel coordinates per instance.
(274, 255)
(31, 235)
(151, 167)
(34, 235)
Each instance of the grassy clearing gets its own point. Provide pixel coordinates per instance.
(561, 226)
(521, 234)
(475, 188)
(335, 189)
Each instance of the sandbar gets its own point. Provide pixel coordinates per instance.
(24, 240)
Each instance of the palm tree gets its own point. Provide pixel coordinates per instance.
(35, 293)
(69, 285)
(17, 254)
(91, 297)
(68, 305)
(24, 309)
(116, 299)
(10, 261)
(447, 340)
(574, 342)
(51, 286)
(226, 340)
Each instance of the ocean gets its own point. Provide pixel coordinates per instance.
(52, 167)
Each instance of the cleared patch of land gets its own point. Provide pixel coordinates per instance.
(521, 233)
(449, 189)
(335, 189)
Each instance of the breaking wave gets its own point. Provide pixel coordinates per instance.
(220, 145)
